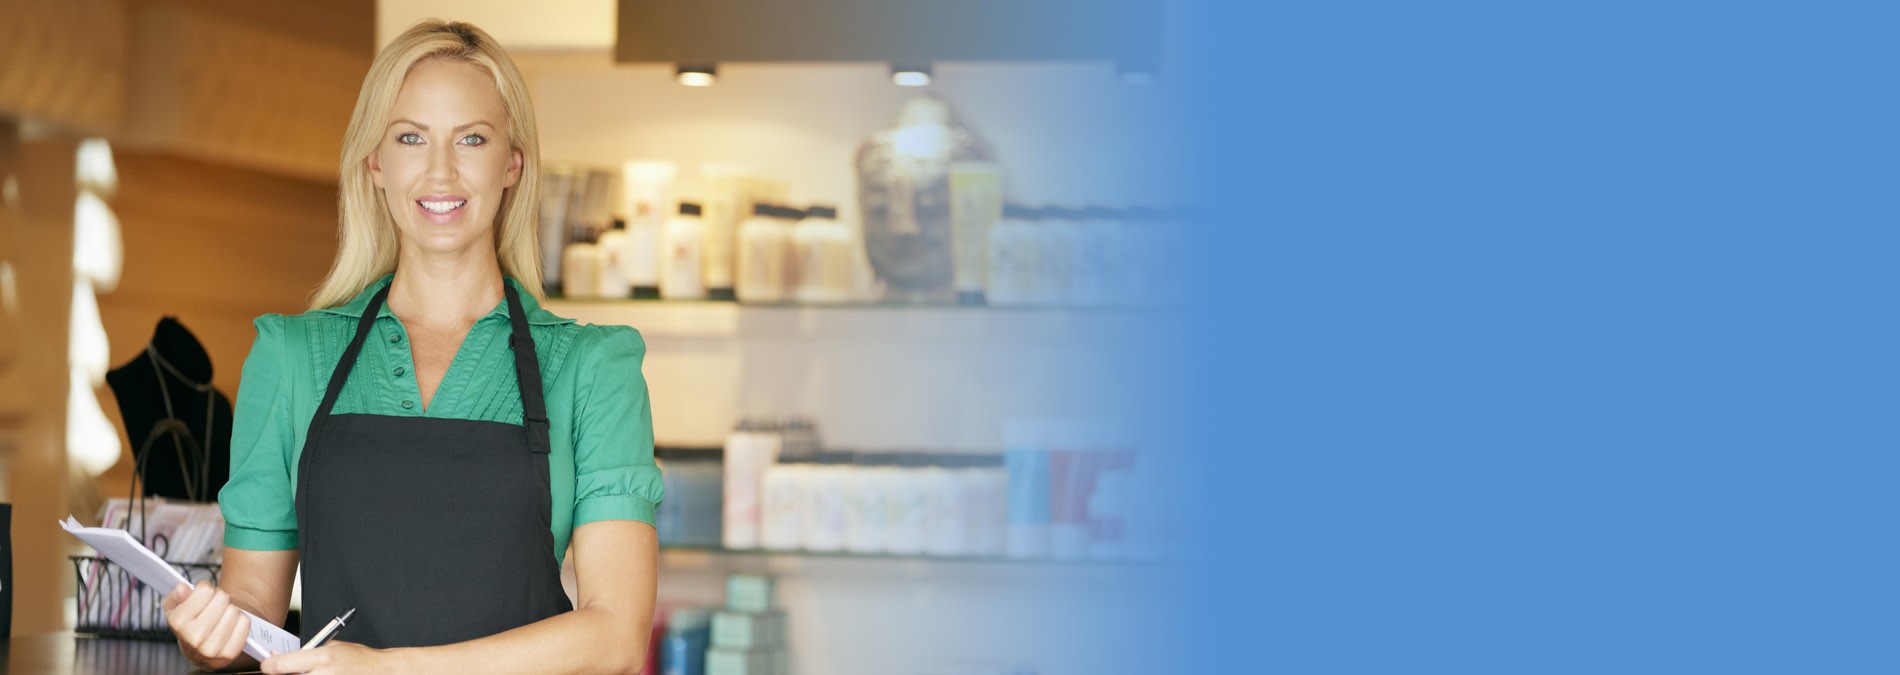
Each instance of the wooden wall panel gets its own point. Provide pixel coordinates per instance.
(63, 61)
(37, 475)
(246, 88)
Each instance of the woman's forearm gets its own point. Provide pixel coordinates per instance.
(586, 640)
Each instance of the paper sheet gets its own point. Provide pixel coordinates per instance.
(121, 548)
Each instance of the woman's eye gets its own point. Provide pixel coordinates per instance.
(474, 139)
(409, 138)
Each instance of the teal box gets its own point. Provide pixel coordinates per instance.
(748, 630)
(730, 661)
(748, 593)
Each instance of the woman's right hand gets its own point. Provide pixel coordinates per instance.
(211, 631)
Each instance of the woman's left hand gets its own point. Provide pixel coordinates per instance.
(335, 658)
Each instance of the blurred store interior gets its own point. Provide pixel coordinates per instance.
(919, 333)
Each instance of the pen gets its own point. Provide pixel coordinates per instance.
(329, 631)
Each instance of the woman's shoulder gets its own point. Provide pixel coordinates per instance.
(319, 333)
(289, 325)
(602, 342)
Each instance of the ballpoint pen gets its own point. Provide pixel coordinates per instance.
(329, 631)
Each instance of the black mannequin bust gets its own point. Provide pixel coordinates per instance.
(174, 416)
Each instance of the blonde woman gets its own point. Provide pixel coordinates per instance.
(426, 440)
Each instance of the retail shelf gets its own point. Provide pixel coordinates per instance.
(875, 321)
(696, 554)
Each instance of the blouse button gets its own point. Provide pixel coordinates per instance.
(408, 404)
(397, 372)
(395, 338)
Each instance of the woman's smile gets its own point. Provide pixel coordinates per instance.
(441, 209)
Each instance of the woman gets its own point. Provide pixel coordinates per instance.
(427, 439)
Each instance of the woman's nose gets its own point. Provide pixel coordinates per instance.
(441, 163)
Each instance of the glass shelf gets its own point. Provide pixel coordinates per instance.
(858, 304)
(919, 558)
(862, 321)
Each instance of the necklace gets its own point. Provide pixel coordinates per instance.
(176, 427)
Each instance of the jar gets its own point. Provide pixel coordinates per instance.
(824, 512)
(783, 491)
(904, 503)
(1011, 274)
(765, 254)
(944, 531)
(864, 513)
(825, 255)
(680, 256)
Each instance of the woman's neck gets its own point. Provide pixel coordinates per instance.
(444, 292)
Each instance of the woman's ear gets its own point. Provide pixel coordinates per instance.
(375, 164)
(514, 168)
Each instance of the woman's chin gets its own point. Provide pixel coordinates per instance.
(432, 239)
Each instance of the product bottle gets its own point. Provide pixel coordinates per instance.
(904, 504)
(764, 254)
(943, 513)
(976, 202)
(825, 252)
(1055, 241)
(680, 278)
(864, 508)
(748, 454)
(783, 493)
(731, 192)
(581, 270)
(1011, 273)
(824, 522)
(1089, 261)
(785, 252)
(1027, 511)
(615, 249)
(647, 200)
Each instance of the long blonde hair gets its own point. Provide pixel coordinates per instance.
(366, 232)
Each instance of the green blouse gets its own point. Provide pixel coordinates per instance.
(600, 424)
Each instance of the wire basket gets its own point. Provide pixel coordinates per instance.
(112, 603)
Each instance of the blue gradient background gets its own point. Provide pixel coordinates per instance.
(1552, 338)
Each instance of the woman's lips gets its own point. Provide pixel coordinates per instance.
(441, 209)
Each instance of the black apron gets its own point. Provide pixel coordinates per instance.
(435, 530)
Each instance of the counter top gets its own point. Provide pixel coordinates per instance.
(59, 653)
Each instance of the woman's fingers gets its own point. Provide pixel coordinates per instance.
(172, 599)
(211, 630)
(240, 633)
(195, 621)
(202, 594)
(219, 640)
(213, 613)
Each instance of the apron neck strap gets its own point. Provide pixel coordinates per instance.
(343, 365)
(534, 409)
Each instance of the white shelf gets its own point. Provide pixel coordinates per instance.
(909, 323)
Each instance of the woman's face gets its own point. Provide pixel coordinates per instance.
(446, 157)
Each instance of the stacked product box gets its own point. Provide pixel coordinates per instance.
(748, 636)
(689, 515)
(683, 648)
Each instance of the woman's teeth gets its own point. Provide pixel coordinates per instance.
(443, 207)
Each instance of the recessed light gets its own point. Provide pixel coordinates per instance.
(698, 76)
(910, 75)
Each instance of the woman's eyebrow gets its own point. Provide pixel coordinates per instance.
(425, 127)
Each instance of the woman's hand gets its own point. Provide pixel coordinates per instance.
(211, 631)
(335, 658)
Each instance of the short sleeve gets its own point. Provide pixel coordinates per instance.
(258, 502)
(615, 477)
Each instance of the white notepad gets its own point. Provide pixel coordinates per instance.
(120, 547)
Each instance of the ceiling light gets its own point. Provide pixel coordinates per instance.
(910, 75)
(698, 76)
